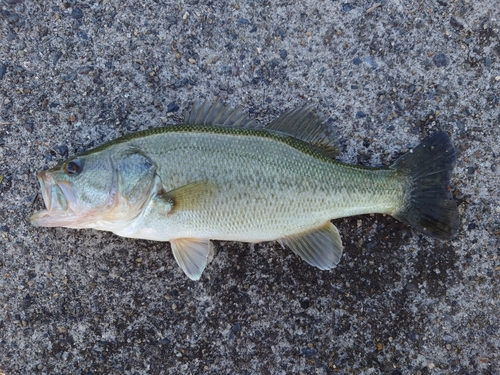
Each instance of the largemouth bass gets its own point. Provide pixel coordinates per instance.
(220, 176)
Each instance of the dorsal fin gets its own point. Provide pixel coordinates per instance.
(308, 125)
(303, 123)
(207, 113)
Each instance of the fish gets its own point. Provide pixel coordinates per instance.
(222, 176)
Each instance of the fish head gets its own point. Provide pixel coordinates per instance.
(98, 190)
(73, 191)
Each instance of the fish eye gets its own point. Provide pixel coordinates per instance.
(73, 167)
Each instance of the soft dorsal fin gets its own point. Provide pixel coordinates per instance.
(308, 125)
(192, 255)
(321, 247)
(207, 113)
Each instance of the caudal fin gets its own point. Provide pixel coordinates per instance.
(429, 207)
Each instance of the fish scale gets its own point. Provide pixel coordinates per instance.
(305, 190)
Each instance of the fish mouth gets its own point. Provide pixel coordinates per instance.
(59, 201)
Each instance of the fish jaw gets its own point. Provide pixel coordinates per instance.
(64, 210)
(59, 201)
(45, 218)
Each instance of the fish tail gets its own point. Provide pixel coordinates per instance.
(429, 206)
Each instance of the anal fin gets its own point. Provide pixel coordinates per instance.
(321, 247)
(192, 255)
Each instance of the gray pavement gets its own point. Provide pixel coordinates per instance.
(74, 74)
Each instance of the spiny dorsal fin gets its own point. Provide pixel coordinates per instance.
(207, 113)
(309, 126)
(192, 255)
(321, 247)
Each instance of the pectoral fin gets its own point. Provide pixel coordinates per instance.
(321, 248)
(190, 197)
(192, 255)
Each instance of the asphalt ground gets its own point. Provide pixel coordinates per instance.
(75, 74)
